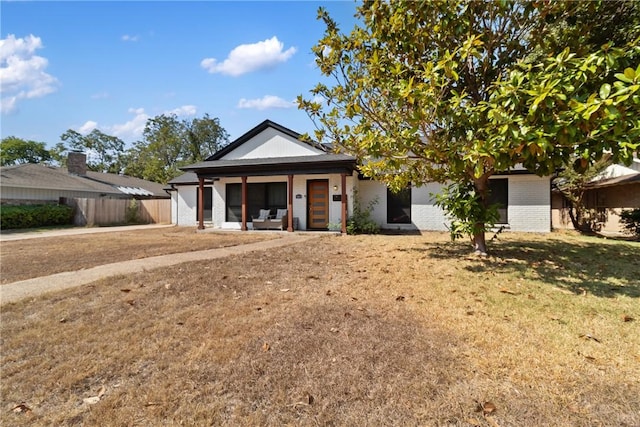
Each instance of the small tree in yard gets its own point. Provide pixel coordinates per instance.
(456, 91)
(573, 187)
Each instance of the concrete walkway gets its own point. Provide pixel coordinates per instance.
(30, 288)
(6, 236)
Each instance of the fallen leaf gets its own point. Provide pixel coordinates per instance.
(125, 290)
(488, 408)
(470, 313)
(91, 400)
(285, 290)
(474, 422)
(308, 398)
(328, 293)
(313, 276)
(627, 318)
(131, 302)
(102, 391)
(400, 298)
(63, 320)
(21, 409)
(334, 330)
(507, 291)
(266, 347)
(589, 337)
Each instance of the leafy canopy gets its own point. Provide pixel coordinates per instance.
(457, 91)
(103, 150)
(169, 143)
(15, 150)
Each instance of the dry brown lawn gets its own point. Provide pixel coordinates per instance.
(344, 331)
(25, 259)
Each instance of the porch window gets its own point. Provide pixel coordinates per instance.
(399, 206)
(208, 204)
(499, 195)
(267, 195)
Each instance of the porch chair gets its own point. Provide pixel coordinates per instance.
(266, 221)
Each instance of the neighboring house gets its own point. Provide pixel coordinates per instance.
(36, 183)
(270, 167)
(616, 189)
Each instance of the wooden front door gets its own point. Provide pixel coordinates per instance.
(318, 204)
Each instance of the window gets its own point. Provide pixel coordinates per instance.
(499, 195)
(208, 204)
(269, 195)
(399, 206)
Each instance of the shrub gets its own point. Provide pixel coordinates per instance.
(132, 212)
(631, 221)
(361, 222)
(29, 216)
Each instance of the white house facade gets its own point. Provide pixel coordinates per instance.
(271, 168)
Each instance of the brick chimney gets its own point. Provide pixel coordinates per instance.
(77, 163)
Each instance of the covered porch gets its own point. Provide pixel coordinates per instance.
(314, 190)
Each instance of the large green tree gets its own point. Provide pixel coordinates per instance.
(103, 150)
(169, 143)
(457, 91)
(14, 150)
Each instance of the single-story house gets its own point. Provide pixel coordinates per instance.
(37, 183)
(616, 189)
(270, 170)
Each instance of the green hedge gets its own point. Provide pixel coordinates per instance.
(30, 216)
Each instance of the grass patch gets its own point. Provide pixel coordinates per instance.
(26, 259)
(357, 330)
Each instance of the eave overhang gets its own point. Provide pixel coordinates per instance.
(312, 165)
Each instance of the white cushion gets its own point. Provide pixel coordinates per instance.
(264, 214)
(280, 213)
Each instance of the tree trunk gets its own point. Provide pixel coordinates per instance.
(480, 243)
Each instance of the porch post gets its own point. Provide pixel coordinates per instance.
(200, 203)
(243, 227)
(343, 198)
(290, 204)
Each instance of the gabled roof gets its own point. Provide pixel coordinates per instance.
(257, 130)
(216, 166)
(30, 175)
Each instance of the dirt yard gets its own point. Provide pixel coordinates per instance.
(25, 259)
(357, 330)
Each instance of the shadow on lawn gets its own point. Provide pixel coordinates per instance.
(602, 269)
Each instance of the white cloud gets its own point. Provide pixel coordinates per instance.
(22, 72)
(265, 103)
(128, 38)
(250, 57)
(87, 127)
(185, 110)
(133, 128)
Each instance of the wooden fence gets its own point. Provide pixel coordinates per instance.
(119, 211)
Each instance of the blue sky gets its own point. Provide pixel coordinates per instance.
(112, 65)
